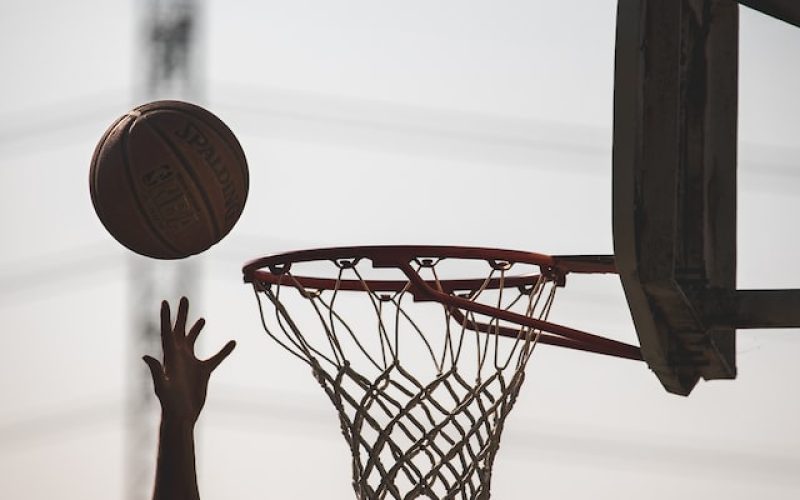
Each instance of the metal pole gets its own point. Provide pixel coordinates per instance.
(169, 64)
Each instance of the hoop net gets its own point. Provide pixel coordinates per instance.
(422, 389)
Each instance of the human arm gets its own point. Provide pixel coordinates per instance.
(181, 384)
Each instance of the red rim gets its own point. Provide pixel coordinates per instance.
(394, 256)
(274, 270)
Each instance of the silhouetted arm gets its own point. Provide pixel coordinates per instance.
(180, 384)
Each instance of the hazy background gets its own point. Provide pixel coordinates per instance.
(480, 123)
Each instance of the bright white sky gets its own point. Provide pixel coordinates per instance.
(414, 114)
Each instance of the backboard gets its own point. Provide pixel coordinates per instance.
(674, 187)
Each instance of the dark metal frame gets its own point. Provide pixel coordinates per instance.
(675, 117)
(785, 10)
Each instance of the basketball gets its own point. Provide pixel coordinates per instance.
(168, 180)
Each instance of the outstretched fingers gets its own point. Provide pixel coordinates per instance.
(167, 337)
(173, 338)
(191, 337)
(213, 362)
(180, 320)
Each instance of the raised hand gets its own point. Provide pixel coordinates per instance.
(181, 382)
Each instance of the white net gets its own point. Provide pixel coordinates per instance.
(422, 389)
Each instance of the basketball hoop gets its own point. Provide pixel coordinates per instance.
(406, 342)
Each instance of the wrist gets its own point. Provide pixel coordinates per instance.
(176, 423)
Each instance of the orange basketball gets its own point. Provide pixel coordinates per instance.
(168, 179)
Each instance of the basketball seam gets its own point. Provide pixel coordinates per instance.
(236, 148)
(139, 204)
(187, 167)
(93, 168)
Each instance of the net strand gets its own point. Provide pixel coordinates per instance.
(411, 434)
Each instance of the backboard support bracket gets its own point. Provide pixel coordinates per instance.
(742, 309)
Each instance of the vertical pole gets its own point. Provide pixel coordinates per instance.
(168, 64)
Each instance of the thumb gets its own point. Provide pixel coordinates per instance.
(213, 362)
(157, 372)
